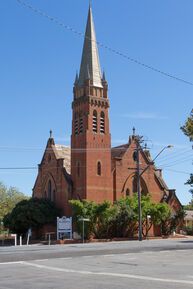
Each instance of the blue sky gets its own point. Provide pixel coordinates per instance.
(39, 60)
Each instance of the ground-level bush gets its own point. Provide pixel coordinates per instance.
(120, 219)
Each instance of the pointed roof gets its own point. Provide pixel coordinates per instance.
(90, 57)
(76, 79)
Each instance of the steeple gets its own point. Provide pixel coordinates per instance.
(90, 57)
(91, 138)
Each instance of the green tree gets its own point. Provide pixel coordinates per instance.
(84, 209)
(32, 213)
(189, 206)
(9, 197)
(187, 128)
(124, 222)
(190, 182)
(153, 214)
(104, 217)
(188, 131)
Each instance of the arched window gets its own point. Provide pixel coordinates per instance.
(54, 196)
(127, 192)
(102, 122)
(94, 121)
(75, 124)
(80, 123)
(78, 169)
(99, 168)
(134, 184)
(49, 190)
(143, 186)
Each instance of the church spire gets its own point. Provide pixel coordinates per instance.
(90, 58)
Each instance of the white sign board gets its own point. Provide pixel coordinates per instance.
(64, 228)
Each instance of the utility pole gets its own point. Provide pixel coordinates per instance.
(139, 190)
(139, 173)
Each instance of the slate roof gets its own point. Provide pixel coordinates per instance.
(90, 65)
(63, 152)
(118, 152)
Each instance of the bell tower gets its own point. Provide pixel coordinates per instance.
(91, 139)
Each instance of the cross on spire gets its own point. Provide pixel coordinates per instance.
(133, 131)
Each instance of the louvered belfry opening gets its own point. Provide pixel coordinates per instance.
(102, 122)
(94, 121)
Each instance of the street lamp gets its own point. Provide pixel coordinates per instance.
(139, 174)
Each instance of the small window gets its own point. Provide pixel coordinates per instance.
(94, 122)
(99, 168)
(102, 122)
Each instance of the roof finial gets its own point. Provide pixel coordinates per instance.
(51, 134)
(133, 131)
(76, 78)
(104, 76)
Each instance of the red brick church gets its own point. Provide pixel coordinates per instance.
(91, 169)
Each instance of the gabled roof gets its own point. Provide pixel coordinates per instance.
(90, 65)
(119, 151)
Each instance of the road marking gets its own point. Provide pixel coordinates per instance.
(11, 263)
(41, 260)
(128, 276)
(89, 256)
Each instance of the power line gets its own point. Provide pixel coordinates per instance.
(176, 157)
(19, 168)
(176, 171)
(175, 163)
(117, 52)
(173, 155)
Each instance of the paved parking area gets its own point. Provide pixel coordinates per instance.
(169, 268)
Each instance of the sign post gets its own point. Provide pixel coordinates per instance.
(64, 228)
(20, 240)
(15, 236)
(83, 220)
(29, 234)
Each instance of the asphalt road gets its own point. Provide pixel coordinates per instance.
(155, 264)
